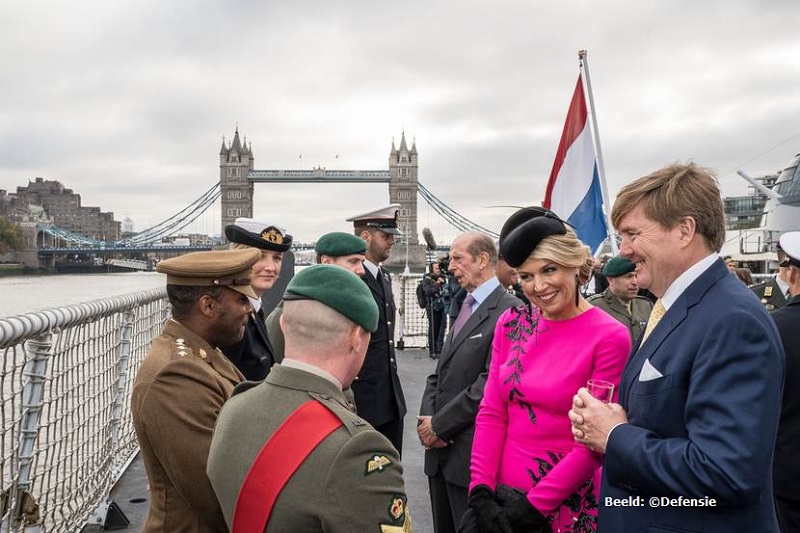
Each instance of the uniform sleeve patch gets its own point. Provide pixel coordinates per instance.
(401, 518)
(376, 463)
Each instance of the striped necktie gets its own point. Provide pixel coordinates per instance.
(655, 315)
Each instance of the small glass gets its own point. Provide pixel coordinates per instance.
(602, 390)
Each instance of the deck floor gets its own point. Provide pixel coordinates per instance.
(414, 365)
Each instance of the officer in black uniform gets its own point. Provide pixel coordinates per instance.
(253, 355)
(378, 393)
(773, 292)
(786, 463)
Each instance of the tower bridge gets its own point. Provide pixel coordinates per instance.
(238, 176)
(234, 190)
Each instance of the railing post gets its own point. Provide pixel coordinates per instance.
(123, 357)
(24, 508)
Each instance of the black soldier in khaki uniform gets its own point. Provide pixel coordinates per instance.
(183, 382)
(288, 454)
(620, 299)
(336, 248)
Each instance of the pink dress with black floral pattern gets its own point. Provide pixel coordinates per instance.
(523, 436)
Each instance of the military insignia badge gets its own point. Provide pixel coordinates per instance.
(273, 235)
(397, 508)
(398, 511)
(202, 353)
(768, 291)
(376, 464)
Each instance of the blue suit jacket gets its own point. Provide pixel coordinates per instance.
(707, 426)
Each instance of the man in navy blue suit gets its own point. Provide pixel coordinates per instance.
(689, 447)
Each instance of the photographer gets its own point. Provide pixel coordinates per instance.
(433, 287)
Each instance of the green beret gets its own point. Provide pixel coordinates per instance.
(337, 288)
(229, 268)
(617, 266)
(338, 243)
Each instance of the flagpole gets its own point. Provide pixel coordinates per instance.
(601, 169)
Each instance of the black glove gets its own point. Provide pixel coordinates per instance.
(491, 518)
(523, 517)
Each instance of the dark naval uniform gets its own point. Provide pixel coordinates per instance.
(635, 320)
(379, 395)
(770, 294)
(177, 395)
(253, 355)
(352, 481)
(786, 465)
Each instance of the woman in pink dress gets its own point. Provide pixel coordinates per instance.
(541, 356)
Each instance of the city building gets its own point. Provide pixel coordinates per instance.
(63, 207)
(744, 212)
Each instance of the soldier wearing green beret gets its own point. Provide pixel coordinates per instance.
(336, 248)
(620, 299)
(183, 382)
(289, 454)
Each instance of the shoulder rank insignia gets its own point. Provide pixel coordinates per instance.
(376, 464)
(398, 512)
(768, 291)
(202, 353)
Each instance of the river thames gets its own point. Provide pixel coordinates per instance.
(25, 294)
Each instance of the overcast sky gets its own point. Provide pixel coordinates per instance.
(126, 102)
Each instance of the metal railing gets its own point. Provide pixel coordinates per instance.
(67, 436)
(66, 376)
(412, 320)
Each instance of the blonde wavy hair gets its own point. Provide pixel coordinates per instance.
(567, 251)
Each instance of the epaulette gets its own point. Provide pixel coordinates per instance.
(349, 418)
(245, 386)
(594, 297)
(181, 349)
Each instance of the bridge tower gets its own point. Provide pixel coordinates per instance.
(403, 179)
(235, 162)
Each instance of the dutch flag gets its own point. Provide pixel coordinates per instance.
(573, 191)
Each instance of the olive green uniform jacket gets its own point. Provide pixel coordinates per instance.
(635, 321)
(351, 482)
(177, 395)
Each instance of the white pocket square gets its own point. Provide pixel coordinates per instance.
(649, 372)
(478, 336)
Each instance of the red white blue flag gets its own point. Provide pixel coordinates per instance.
(573, 191)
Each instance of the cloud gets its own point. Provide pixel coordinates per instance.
(126, 102)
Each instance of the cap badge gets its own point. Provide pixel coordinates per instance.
(273, 235)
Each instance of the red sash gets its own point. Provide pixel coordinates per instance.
(277, 461)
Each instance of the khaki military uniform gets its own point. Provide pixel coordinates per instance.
(635, 320)
(770, 294)
(352, 481)
(177, 395)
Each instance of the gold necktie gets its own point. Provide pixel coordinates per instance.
(655, 315)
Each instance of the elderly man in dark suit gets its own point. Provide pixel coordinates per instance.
(786, 466)
(378, 393)
(450, 402)
(699, 399)
(253, 355)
